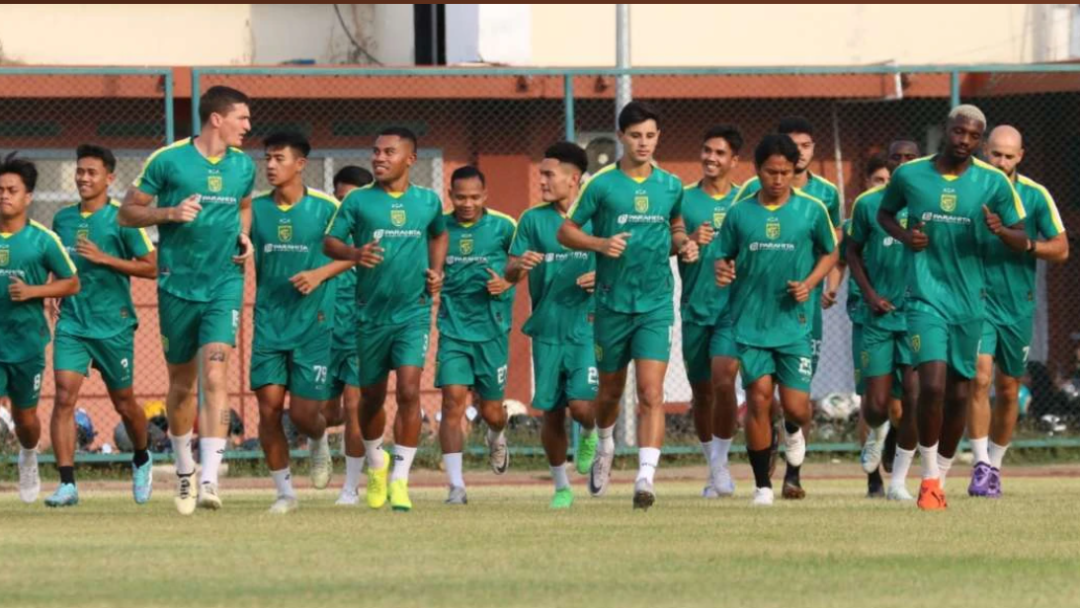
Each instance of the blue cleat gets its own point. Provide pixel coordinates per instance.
(67, 495)
(142, 481)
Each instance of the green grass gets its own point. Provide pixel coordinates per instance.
(507, 549)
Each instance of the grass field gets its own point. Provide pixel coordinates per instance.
(507, 549)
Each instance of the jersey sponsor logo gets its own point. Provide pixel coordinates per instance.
(397, 217)
(772, 228)
(641, 219)
(718, 218)
(285, 248)
(948, 202)
(215, 183)
(930, 216)
(465, 246)
(641, 202)
(379, 235)
(563, 257)
(284, 233)
(772, 247)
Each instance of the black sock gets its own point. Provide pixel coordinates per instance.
(791, 475)
(140, 458)
(67, 475)
(791, 427)
(759, 462)
(874, 481)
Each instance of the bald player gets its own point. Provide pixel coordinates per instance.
(1010, 310)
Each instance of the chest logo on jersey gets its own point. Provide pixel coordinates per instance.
(718, 218)
(214, 183)
(284, 233)
(82, 234)
(5, 256)
(397, 217)
(772, 228)
(948, 202)
(903, 223)
(465, 246)
(641, 202)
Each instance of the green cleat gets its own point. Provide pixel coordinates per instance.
(399, 496)
(142, 481)
(67, 495)
(563, 499)
(376, 484)
(586, 452)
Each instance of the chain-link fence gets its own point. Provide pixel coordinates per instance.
(501, 120)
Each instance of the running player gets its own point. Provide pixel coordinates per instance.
(404, 243)
(29, 253)
(294, 313)
(708, 342)
(636, 211)
(775, 249)
(561, 284)
(948, 195)
(203, 188)
(1010, 310)
(97, 326)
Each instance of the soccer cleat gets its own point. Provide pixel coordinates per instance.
(142, 481)
(185, 495)
(872, 451)
(67, 495)
(644, 496)
(347, 498)
(457, 496)
(931, 496)
(792, 489)
(586, 452)
(29, 480)
(795, 448)
(376, 484)
(980, 480)
(208, 496)
(722, 481)
(995, 483)
(499, 454)
(321, 465)
(600, 473)
(898, 493)
(284, 504)
(399, 496)
(875, 486)
(563, 499)
(709, 492)
(763, 497)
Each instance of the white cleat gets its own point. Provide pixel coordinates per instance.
(600, 474)
(898, 493)
(722, 482)
(185, 495)
(348, 498)
(29, 480)
(321, 465)
(870, 457)
(498, 454)
(709, 492)
(763, 497)
(208, 496)
(284, 504)
(795, 448)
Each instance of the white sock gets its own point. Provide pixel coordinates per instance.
(283, 483)
(708, 448)
(558, 475)
(929, 458)
(723, 447)
(376, 457)
(181, 448)
(901, 465)
(978, 450)
(354, 467)
(607, 439)
(211, 451)
(27, 456)
(648, 460)
(943, 465)
(403, 458)
(493, 435)
(997, 454)
(452, 462)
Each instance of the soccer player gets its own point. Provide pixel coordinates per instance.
(636, 212)
(344, 404)
(97, 326)
(802, 133)
(294, 312)
(1010, 309)
(403, 242)
(203, 189)
(879, 266)
(708, 341)
(29, 253)
(775, 249)
(474, 324)
(948, 196)
(561, 284)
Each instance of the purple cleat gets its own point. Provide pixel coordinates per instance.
(980, 480)
(994, 485)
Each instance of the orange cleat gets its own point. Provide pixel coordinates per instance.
(931, 496)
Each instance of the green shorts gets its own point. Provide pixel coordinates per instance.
(1009, 345)
(22, 382)
(700, 344)
(384, 348)
(480, 365)
(934, 339)
(624, 337)
(856, 357)
(114, 357)
(187, 326)
(883, 351)
(563, 373)
(790, 365)
(344, 370)
(304, 371)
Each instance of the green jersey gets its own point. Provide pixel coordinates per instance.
(467, 312)
(196, 257)
(30, 254)
(1010, 275)
(395, 291)
(948, 278)
(702, 300)
(288, 240)
(816, 186)
(561, 311)
(103, 307)
(854, 294)
(771, 246)
(345, 308)
(886, 260)
(640, 279)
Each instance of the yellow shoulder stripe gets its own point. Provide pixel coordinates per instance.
(504, 216)
(1018, 205)
(825, 210)
(319, 194)
(60, 245)
(156, 153)
(607, 169)
(1055, 216)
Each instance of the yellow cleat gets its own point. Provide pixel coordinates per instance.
(399, 495)
(376, 484)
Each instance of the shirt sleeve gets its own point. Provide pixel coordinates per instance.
(250, 187)
(587, 204)
(729, 241)
(894, 199)
(748, 189)
(521, 241)
(833, 204)
(676, 208)
(153, 177)
(136, 242)
(1006, 202)
(1047, 219)
(859, 228)
(438, 225)
(57, 260)
(343, 222)
(824, 232)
